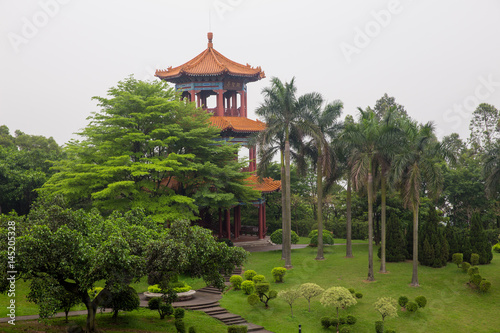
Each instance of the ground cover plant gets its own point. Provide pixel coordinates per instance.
(447, 293)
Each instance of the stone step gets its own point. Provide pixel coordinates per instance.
(200, 307)
(235, 322)
(210, 290)
(226, 316)
(215, 310)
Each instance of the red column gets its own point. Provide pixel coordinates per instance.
(220, 223)
(220, 103)
(251, 158)
(243, 103)
(193, 95)
(264, 216)
(228, 223)
(261, 223)
(245, 98)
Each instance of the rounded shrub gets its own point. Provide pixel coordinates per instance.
(334, 321)
(258, 278)
(236, 281)
(249, 274)
(166, 310)
(474, 259)
(327, 238)
(476, 279)
(484, 286)
(379, 326)
(402, 301)
(192, 330)
(473, 270)
(359, 295)
(465, 267)
(325, 322)
(351, 320)
(273, 294)
(412, 307)
(345, 329)
(253, 300)
(278, 274)
(390, 331)
(352, 291)
(237, 329)
(154, 289)
(248, 287)
(179, 313)
(154, 303)
(277, 237)
(496, 247)
(180, 326)
(421, 301)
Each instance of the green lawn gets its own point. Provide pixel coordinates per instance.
(452, 306)
(305, 240)
(142, 321)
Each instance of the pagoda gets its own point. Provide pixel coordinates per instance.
(211, 76)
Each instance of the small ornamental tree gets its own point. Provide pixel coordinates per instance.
(264, 294)
(310, 290)
(236, 281)
(248, 287)
(249, 274)
(387, 307)
(278, 274)
(289, 296)
(402, 301)
(338, 297)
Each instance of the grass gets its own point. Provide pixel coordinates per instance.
(305, 240)
(141, 321)
(452, 305)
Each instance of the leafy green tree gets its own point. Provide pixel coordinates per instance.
(289, 296)
(310, 290)
(25, 162)
(418, 162)
(339, 298)
(491, 171)
(484, 127)
(433, 247)
(396, 243)
(149, 149)
(76, 249)
(386, 103)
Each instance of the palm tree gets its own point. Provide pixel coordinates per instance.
(321, 125)
(418, 162)
(367, 141)
(281, 111)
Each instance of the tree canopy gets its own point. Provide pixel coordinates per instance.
(149, 149)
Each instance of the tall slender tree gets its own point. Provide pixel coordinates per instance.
(323, 125)
(368, 139)
(416, 163)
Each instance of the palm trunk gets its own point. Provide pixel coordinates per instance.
(288, 245)
(371, 276)
(382, 225)
(414, 277)
(319, 184)
(348, 250)
(283, 206)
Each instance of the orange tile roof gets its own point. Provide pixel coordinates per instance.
(266, 185)
(238, 124)
(211, 63)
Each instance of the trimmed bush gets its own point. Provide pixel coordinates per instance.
(180, 326)
(325, 322)
(351, 320)
(457, 258)
(154, 303)
(165, 310)
(236, 281)
(496, 247)
(390, 331)
(248, 287)
(379, 326)
(327, 238)
(484, 286)
(473, 270)
(402, 301)
(465, 267)
(253, 300)
(192, 329)
(278, 274)
(179, 313)
(249, 274)
(258, 278)
(277, 237)
(474, 259)
(476, 279)
(421, 301)
(237, 329)
(154, 289)
(359, 295)
(412, 307)
(345, 329)
(352, 291)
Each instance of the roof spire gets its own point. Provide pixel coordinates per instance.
(210, 36)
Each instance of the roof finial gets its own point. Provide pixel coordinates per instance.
(210, 36)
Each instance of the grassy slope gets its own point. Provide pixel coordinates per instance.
(452, 306)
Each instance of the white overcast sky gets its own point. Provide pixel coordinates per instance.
(440, 59)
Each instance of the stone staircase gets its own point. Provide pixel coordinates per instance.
(212, 308)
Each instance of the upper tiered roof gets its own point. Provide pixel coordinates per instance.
(210, 63)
